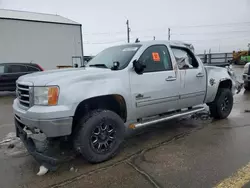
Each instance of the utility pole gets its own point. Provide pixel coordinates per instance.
(169, 33)
(128, 31)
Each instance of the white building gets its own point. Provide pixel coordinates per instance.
(45, 39)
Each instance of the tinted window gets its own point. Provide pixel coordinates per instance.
(32, 69)
(184, 59)
(16, 68)
(156, 58)
(123, 54)
(1, 69)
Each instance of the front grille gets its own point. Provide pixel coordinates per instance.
(23, 95)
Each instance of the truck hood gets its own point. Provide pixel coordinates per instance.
(45, 77)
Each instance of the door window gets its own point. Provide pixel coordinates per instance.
(156, 58)
(16, 69)
(184, 58)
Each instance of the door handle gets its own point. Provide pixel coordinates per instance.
(170, 78)
(200, 74)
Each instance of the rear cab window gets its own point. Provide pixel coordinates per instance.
(184, 58)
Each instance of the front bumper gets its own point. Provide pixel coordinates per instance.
(47, 152)
(45, 133)
(52, 121)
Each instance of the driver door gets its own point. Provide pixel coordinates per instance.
(156, 90)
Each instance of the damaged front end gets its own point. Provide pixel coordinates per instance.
(238, 85)
(48, 152)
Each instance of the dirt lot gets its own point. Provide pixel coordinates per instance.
(189, 152)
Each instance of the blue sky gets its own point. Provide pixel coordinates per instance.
(222, 25)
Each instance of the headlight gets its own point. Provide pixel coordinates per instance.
(46, 95)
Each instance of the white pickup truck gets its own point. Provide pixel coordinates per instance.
(126, 86)
(246, 76)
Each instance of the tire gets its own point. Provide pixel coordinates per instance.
(222, 106)
(99, 135)
(247, 86)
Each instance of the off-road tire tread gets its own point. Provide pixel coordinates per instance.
(213, 107)
(81, 127)
(247, 87)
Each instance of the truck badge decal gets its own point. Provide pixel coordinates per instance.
(212, 81)
(139, 96)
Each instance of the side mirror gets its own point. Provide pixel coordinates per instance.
(116, 65)
(138, 66)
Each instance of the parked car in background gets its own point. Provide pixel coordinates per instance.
(246, 76)
(10, 72)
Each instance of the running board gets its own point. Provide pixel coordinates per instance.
(166, 117)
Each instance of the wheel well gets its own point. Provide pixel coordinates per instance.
(225, 84)
(115, 103)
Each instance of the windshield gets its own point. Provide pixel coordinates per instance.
(122, 54)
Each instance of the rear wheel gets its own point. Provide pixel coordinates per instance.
(99, 135)
(222, 106)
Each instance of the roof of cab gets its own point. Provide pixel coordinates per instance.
(35, 17)
(171, 43)
(17, 63)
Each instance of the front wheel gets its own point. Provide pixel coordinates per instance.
(222, 106)
(247, 86)
(99, 135)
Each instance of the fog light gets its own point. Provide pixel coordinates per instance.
(131, 126)
(37, 131)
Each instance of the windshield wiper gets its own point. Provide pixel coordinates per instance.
(99, 65)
